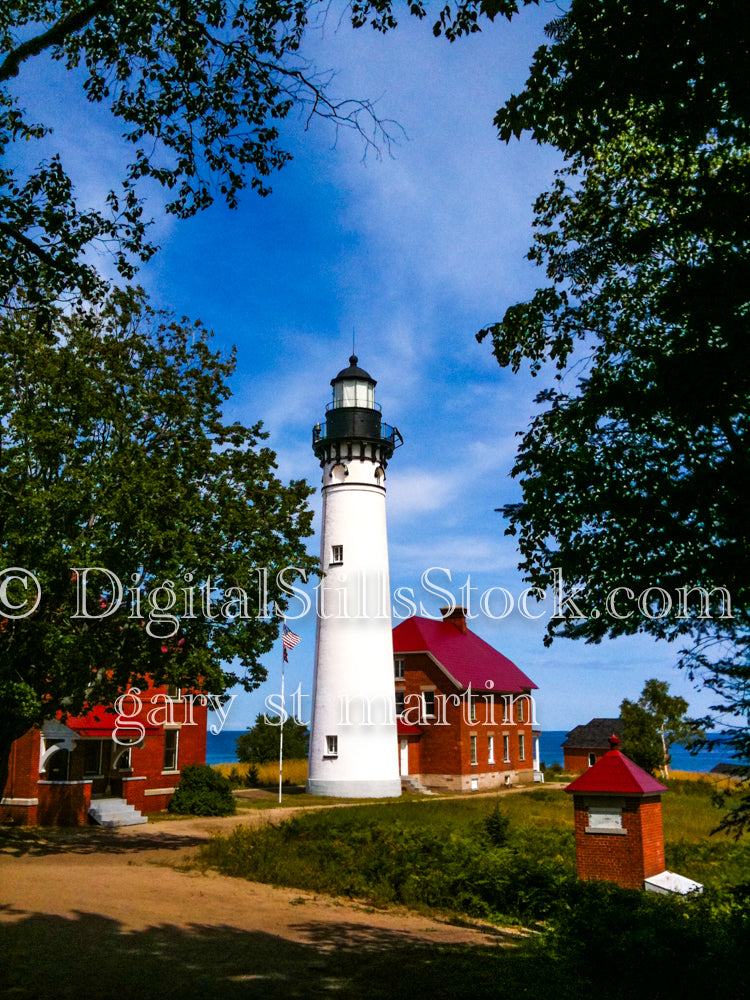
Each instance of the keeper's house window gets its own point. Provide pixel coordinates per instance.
(506, 749)
(592, 759)
(521, 746)
(490, 749)
(337, 555)
(171, 739)
(473, 745)
(428, 704)
(332, 746)
(173, 692)
(92, 758)
(604, 815)
(519, 711)
(398, 669)
(400, 702)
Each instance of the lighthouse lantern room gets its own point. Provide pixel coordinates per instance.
(353, 741)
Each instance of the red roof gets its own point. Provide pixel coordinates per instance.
(465, 658)
(406, 728)
(101, 723)
(616, 773)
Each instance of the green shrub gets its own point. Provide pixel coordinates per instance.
(202, 792)
(496, 827)
(246, 777)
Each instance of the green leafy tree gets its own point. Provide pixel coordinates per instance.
(114, 454)
(633, 469)
(260, 744)
(652, 723)
(640, 739)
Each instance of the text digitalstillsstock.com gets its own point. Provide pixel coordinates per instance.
(164, 606)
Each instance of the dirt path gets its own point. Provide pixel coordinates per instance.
(111, 909)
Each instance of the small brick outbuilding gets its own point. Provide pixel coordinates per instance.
(618, 824)
(585, 745)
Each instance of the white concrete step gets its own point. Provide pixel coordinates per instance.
(411, 784)
(115, 812)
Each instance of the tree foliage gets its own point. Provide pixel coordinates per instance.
(202, 792)
(199, 88)
(633, 469)
(260, 744)
(653, 723)
(114, 454)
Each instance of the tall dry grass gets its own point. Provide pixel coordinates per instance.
(294, 772)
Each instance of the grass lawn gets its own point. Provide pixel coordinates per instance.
(510, 859)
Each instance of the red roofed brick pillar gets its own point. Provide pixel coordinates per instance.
(618, 826)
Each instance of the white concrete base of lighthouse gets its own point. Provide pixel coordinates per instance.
(355, 789)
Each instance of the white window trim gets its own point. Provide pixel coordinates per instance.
(337, 555)
(176, 768)
(399, 668)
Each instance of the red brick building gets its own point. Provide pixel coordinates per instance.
(71, 770)
(618, 825)
(585, 745)
(465, 712)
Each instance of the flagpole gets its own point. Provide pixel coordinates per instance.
(281, 718)
(288, 641)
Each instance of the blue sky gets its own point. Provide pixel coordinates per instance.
(413, 252)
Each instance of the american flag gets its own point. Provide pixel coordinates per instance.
(289, 639)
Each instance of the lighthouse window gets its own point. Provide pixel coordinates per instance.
(337, 554)
(332, 746)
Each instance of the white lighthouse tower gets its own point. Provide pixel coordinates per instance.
(353, 741)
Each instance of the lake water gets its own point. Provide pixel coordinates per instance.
(221, 749)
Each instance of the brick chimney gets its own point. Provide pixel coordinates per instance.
(456, 616)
